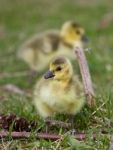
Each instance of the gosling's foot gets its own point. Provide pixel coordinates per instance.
(73, 132)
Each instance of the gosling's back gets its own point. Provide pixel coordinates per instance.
(39, 50)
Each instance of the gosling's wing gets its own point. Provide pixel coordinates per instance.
(51, 42)
(76, 96)
(78, 86)
(45, 42)
(40, 47)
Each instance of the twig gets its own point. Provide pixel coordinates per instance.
(46, 136)
(15, 135)
(11, 88)
(84, 69)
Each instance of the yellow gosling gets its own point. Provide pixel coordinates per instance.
(59, 91)
(40, 49)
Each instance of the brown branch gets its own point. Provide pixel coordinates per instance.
(46, 136)
(11, 88)
(84, 69)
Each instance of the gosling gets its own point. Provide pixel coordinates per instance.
(38, 51)
(59, 91)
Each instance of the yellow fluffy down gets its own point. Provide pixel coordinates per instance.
(38, 51)
(52, 98)
(64, 95)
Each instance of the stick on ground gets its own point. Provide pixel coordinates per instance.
(46, 136)
(84, 69)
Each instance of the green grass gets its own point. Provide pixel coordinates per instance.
(21, 19)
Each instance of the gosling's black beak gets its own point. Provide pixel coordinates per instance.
(85, 39)
(49, 74)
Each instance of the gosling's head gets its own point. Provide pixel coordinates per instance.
(60, 69)
(72, 33)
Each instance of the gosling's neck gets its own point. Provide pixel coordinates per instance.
(64, 83)
(64, 43)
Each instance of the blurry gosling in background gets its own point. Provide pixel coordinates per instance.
(40, 49)
(59, 91)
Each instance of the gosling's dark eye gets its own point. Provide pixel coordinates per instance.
(77, 32)
(58, 69)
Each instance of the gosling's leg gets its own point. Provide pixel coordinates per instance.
(47, 125)
(71, 120)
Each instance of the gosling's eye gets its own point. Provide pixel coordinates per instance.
(58, 69)
(77, 32)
